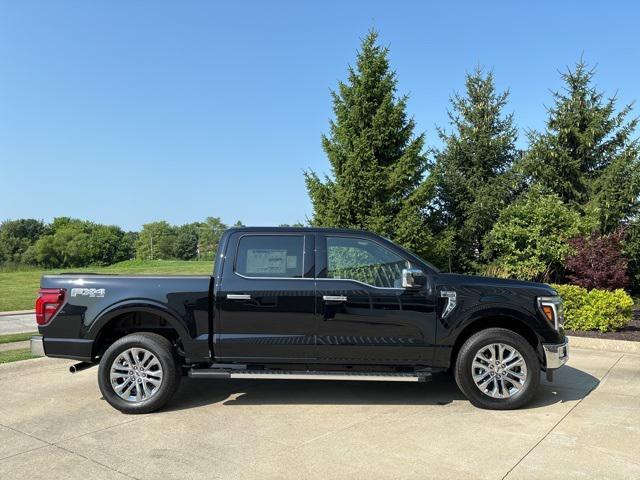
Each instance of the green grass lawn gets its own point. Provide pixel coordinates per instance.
(15, 355)
(18, 289)
(16, 337)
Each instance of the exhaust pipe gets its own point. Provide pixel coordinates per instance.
(80, 366)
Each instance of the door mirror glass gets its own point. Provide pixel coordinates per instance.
(413, 278)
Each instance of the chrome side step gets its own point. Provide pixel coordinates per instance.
(420, 376)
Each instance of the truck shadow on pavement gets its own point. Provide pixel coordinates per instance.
(569, 384)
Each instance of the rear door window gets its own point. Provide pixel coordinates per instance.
(270, 256)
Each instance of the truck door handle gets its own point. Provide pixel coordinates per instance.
(334, 298)
(238, 296)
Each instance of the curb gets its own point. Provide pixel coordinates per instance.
(6, 347)
(624, 346)
(17, 312)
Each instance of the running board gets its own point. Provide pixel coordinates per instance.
(421, 376)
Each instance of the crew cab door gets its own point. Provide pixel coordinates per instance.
(266, 299)
(365, 316)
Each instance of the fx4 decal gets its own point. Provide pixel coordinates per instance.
(88, 292)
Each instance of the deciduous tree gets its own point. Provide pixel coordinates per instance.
(156, 241)
(16, 236)
(209, 233)
(186, 246)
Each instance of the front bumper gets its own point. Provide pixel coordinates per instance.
(556, 354)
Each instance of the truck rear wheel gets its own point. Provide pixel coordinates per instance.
(497, 369)
(139, 373)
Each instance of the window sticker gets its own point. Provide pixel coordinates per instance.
(292, 261)
(266, 261)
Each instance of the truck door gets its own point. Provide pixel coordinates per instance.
(365, 316)
(266, 298)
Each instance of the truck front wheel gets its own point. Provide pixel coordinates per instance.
(139, 373)
(497, 369)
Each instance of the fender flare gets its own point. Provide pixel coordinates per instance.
(486, 311)
(138, 305)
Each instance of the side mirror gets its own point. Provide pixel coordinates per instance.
(413, 278)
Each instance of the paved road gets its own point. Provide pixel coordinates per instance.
(18, 323)
(53, 425)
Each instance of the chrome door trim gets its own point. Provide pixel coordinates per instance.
(334, 298)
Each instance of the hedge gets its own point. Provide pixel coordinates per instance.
(595, 309)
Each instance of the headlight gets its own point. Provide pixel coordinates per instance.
(551, 308)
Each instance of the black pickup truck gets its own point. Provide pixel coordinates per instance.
(304, 303)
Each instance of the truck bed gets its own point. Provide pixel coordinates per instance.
(93, 300)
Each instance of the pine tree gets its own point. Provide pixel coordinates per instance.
(587, 154)
(472, 173)
(377, 163)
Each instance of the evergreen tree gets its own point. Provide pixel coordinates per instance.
(377, 163)
(472, 173)
(587, 154)
(631, 250)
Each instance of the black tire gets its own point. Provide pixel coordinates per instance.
(464, 376)
(167, 358)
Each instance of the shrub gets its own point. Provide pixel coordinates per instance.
(595, 309)
(598, 262)
(529, 239)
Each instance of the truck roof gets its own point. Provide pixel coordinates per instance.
(301, 229)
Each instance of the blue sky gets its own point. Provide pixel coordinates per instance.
(129, 112)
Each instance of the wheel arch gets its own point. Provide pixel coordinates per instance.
(166, 323)
(506, 320)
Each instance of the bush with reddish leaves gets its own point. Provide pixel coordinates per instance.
(598, 262)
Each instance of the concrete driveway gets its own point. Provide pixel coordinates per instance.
(18, 323)
(53, 425)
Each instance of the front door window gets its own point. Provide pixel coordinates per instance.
(365, 261)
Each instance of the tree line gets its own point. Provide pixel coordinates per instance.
(566, 208)
(69, 243)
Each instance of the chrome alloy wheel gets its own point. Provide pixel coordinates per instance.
(499, 370)
(136, 375)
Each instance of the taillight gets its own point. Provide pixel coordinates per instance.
(48, 303)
